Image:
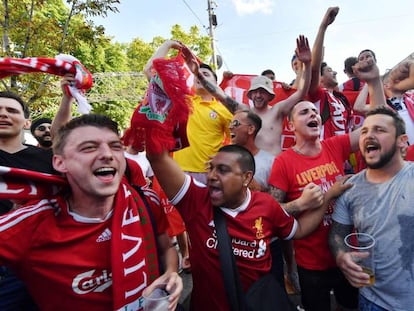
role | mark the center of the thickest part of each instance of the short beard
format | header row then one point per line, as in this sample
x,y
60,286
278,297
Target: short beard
x,y
384,159
45,143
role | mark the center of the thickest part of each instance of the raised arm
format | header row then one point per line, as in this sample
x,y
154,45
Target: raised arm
x,y
368,71
64,113
161,53
317,49
231,104
303,54
360,104
168,173
402,76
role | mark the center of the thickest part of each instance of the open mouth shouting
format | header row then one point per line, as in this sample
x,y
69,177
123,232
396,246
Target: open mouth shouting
x,y
105,174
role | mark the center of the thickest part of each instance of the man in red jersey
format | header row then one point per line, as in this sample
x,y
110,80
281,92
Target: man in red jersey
x,y
253,218
92,244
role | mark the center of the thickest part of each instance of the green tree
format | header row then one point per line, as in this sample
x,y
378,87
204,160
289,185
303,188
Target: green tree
x,y
47,28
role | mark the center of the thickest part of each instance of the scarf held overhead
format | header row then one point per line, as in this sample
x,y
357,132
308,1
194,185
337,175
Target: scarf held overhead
x,y
162,116
60,65
133,248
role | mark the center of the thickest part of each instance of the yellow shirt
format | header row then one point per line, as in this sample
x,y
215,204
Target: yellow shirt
x,y
207,127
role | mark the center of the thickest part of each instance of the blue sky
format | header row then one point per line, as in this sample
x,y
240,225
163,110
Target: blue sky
x,y
253,35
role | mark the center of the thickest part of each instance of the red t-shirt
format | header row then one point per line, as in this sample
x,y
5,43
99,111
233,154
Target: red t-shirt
x,y
66,263
259,218
338,121
291,172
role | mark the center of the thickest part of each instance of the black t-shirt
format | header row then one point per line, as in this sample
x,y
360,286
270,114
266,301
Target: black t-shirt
x,y
30,158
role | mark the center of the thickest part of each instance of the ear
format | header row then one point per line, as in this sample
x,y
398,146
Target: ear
x,y
251,129
59,164
291,127
402,141
247,178
27,124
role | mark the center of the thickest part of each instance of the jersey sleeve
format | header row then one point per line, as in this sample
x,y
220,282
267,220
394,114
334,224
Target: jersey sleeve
x,y
157,210
17,229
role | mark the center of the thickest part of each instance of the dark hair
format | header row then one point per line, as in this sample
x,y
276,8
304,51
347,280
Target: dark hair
x,y
37,122
205,66
348,63
246,159
323,65
368,50
398,121
254,119
268,72
95,120
7,94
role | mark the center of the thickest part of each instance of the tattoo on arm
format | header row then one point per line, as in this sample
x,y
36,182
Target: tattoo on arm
x,y
231,104
336,237
280,196
210,87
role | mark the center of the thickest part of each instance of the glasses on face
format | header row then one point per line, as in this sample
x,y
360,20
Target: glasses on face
x,y
236,123
43,128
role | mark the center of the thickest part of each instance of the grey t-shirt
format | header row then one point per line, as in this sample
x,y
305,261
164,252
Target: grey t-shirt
x,y
264,161
386,211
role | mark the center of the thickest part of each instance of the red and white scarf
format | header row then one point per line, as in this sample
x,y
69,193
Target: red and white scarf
x,y
162,116
60,65
133,247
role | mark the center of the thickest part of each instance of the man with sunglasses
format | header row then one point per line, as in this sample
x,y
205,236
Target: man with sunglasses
x,y
14,119
40,130
261,93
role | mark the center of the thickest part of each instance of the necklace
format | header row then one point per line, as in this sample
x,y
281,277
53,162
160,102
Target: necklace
x,y
297,150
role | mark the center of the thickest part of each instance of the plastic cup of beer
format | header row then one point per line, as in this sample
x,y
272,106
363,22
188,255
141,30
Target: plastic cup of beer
x,y
156,298
363,243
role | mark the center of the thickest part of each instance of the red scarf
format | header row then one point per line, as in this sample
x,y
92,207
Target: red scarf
x,y
133,249
162,116
60,65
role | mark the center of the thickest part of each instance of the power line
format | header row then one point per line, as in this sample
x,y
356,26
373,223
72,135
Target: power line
x,y
196,16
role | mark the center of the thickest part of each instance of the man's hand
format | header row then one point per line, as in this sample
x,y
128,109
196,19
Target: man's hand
x,y
312,197
67,80
401,77
330,16
352,271
339,187
366,70
191,60
303,51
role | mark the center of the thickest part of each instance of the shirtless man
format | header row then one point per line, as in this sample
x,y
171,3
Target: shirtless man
x,y
261,93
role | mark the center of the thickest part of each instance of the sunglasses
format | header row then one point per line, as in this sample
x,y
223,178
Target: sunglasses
x,y
43,128
236,123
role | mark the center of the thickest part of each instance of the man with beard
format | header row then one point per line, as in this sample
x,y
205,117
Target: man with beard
x,y
312,160
261,93
380,203
40,130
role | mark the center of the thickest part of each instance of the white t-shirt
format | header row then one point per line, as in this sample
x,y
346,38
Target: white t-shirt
x,y
142,161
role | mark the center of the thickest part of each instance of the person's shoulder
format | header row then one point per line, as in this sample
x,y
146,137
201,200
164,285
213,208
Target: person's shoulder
x,y
37,150
409,166
33,210
264,154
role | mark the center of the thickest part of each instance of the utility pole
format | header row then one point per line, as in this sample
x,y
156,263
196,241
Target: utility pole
x,y
212,18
